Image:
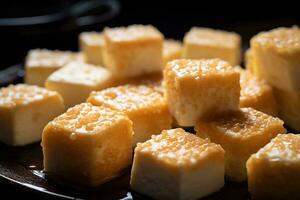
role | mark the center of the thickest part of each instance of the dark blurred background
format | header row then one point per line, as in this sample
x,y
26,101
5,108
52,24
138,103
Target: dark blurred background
x,y
55,24
27,24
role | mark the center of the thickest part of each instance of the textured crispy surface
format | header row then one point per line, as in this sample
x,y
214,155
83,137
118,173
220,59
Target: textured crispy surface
x,y
132,33
87,119
283,40
22,94
199,68
81,73
284,147
179,148
211,37
51,58
127,97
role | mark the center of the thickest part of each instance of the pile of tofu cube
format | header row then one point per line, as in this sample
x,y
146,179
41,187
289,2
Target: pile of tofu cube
x,y
125,99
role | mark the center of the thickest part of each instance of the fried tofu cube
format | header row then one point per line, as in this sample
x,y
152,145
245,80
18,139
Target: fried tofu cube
x,y
133,50
92,45
274,171
201,43
77,80
240,134
172,50
24,111
289,102
177,165
277,57
40,63
88,145
145,107
256,93
200,88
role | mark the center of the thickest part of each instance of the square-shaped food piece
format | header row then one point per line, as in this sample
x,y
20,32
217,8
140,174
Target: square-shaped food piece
x,y
76,81
24,112
201,43
177,165
277,57
289,107
240,134
92,44
172,50
87,145
200,88
256,93
40,63
133,50
144,105
274,171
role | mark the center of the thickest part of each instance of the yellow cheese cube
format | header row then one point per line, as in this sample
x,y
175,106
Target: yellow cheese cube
x,y
87,145
24,111
76,81
240,134
201,43
133,50
177,165
289,107
144,106
92,44
40,63
277,57
200,88
172,50
274,171
256,93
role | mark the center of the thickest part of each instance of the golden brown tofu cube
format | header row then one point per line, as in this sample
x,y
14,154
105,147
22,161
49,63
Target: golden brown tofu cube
x,y
274,171
87,145
289,107
24,112
172,50
240,134
133,50
40,63
92,45
144,106
202,43
256,93
75,81
177,165
197,89
277,57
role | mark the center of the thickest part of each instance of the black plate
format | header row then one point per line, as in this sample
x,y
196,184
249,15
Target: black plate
x,y
23,166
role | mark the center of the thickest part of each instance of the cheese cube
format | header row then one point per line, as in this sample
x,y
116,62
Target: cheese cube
x,y
200,88
201,43
92,44
256,93
77,80
24,111
240,134
172,50
133,50
289,107
277,57
40,63
145,107
177,165
87,145
274,171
